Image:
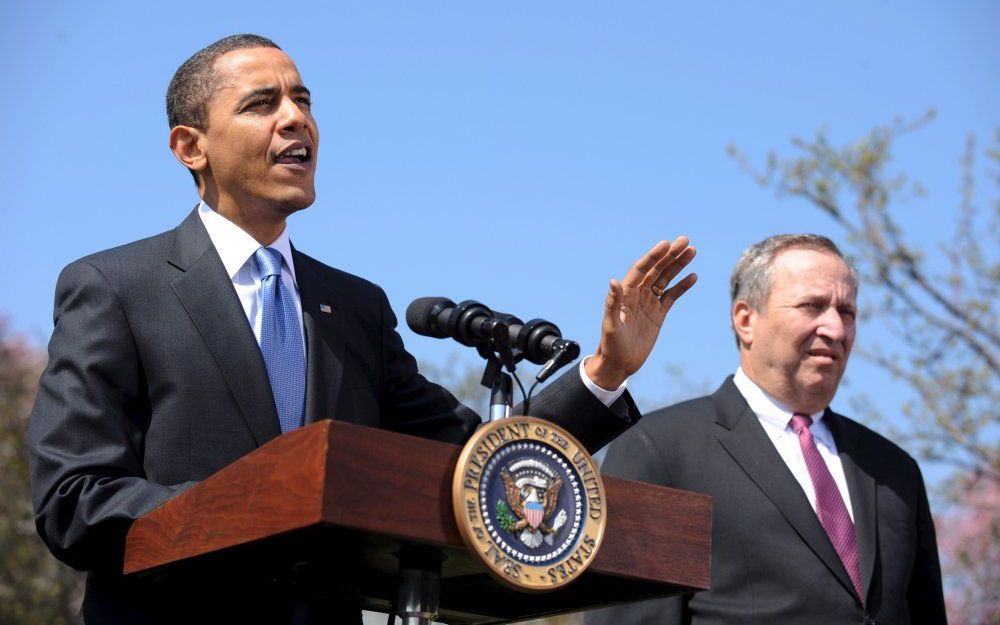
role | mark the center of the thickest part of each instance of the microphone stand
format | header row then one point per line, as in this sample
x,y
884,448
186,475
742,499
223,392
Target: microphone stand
x,y
501,397
499,354
501,387
419,585
420,567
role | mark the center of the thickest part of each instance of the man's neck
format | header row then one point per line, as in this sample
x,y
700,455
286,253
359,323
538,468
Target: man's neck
x,y
263,233
264,228
788,397
765,405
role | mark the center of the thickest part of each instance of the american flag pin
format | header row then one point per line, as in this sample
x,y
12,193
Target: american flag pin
x,y
326,308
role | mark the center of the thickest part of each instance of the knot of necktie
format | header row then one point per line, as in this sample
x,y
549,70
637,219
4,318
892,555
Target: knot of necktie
x,y
800,421
269,261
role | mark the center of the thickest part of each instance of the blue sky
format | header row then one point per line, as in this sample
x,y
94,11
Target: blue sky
x,y
516,153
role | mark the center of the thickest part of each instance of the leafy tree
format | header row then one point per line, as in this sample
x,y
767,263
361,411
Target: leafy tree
x,y
968,535
938,311
34,587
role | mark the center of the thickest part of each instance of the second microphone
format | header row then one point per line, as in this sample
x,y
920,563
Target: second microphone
x,y
471,323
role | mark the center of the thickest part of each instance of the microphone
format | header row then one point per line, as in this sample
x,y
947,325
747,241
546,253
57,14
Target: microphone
x,y
473,324
470,323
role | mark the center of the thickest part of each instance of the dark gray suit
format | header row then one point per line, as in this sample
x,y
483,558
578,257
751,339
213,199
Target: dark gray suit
x,y
155,381
772,562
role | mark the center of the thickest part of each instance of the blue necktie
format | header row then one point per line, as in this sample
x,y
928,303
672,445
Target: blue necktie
x,y
281,341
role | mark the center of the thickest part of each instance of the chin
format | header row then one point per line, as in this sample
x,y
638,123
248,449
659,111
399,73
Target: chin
x,y
821,390
295,202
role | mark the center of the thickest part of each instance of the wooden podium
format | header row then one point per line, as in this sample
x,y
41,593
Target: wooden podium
x,y
336,500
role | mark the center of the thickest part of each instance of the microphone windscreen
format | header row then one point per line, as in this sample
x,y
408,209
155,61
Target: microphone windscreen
x,y
421,313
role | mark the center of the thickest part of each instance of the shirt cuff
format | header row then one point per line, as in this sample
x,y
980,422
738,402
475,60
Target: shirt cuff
x,y
605,396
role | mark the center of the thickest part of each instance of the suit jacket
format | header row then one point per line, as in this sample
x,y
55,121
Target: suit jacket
x,y
772,562
155,381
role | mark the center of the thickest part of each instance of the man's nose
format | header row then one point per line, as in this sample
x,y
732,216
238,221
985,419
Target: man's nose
x,y
292,117
831,325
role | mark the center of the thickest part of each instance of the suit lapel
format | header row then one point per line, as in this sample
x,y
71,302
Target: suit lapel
x,y
861,486
745,440
207,294
322,316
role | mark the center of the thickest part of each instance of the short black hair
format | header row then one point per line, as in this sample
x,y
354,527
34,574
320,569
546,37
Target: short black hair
x,y
194,81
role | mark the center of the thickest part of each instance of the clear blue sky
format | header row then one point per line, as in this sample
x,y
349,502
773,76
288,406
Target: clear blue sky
x,y
517,153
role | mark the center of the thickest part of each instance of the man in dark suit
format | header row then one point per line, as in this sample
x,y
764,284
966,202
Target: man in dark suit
x,y
174,356
816,519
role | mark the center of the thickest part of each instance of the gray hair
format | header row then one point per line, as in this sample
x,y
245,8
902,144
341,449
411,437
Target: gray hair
x,y
751,279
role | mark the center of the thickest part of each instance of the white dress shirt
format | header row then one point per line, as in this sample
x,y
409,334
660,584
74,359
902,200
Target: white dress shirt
x,y
236,248
775,418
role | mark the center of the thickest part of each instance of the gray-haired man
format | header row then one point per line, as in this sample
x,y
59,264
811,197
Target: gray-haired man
x,y
816,518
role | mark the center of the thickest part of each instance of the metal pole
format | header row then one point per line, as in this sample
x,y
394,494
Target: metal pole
x,y
501,397
419,584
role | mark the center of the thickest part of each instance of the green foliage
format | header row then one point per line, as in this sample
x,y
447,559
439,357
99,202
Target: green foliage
x,y
505,517
34,587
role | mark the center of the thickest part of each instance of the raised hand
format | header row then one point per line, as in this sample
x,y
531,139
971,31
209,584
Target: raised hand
x,y
635,309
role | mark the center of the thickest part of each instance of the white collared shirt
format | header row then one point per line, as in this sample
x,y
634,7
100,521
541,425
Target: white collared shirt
x,y
236,248
775,418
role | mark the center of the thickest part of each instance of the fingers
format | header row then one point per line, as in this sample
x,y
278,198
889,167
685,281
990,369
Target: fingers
x,y
671,270
661,264
613,301
675,292
659,258
642,266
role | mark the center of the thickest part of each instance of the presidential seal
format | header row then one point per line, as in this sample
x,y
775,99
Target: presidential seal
x,y
529,503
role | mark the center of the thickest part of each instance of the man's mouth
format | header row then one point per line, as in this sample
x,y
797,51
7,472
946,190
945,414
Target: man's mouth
x,y
294,155
823,353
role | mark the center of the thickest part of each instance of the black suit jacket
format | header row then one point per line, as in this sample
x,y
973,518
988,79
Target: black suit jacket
x,y
772,562
155,381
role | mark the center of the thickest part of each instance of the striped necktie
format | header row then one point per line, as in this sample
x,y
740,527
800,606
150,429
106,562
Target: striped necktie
x,y
833,515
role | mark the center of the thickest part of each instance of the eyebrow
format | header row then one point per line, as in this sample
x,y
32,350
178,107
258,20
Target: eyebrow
x,y
268,92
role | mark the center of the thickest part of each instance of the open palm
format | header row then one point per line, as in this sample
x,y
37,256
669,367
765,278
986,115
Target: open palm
x,y
635,309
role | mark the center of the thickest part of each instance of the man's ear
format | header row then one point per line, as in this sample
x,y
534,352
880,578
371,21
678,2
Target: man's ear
x,y
743,317
188,145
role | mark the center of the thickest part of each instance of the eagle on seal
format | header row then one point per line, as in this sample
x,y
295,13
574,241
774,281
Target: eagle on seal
x,y
531,503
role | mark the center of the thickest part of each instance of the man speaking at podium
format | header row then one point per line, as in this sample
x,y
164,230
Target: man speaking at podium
x,y
174,356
